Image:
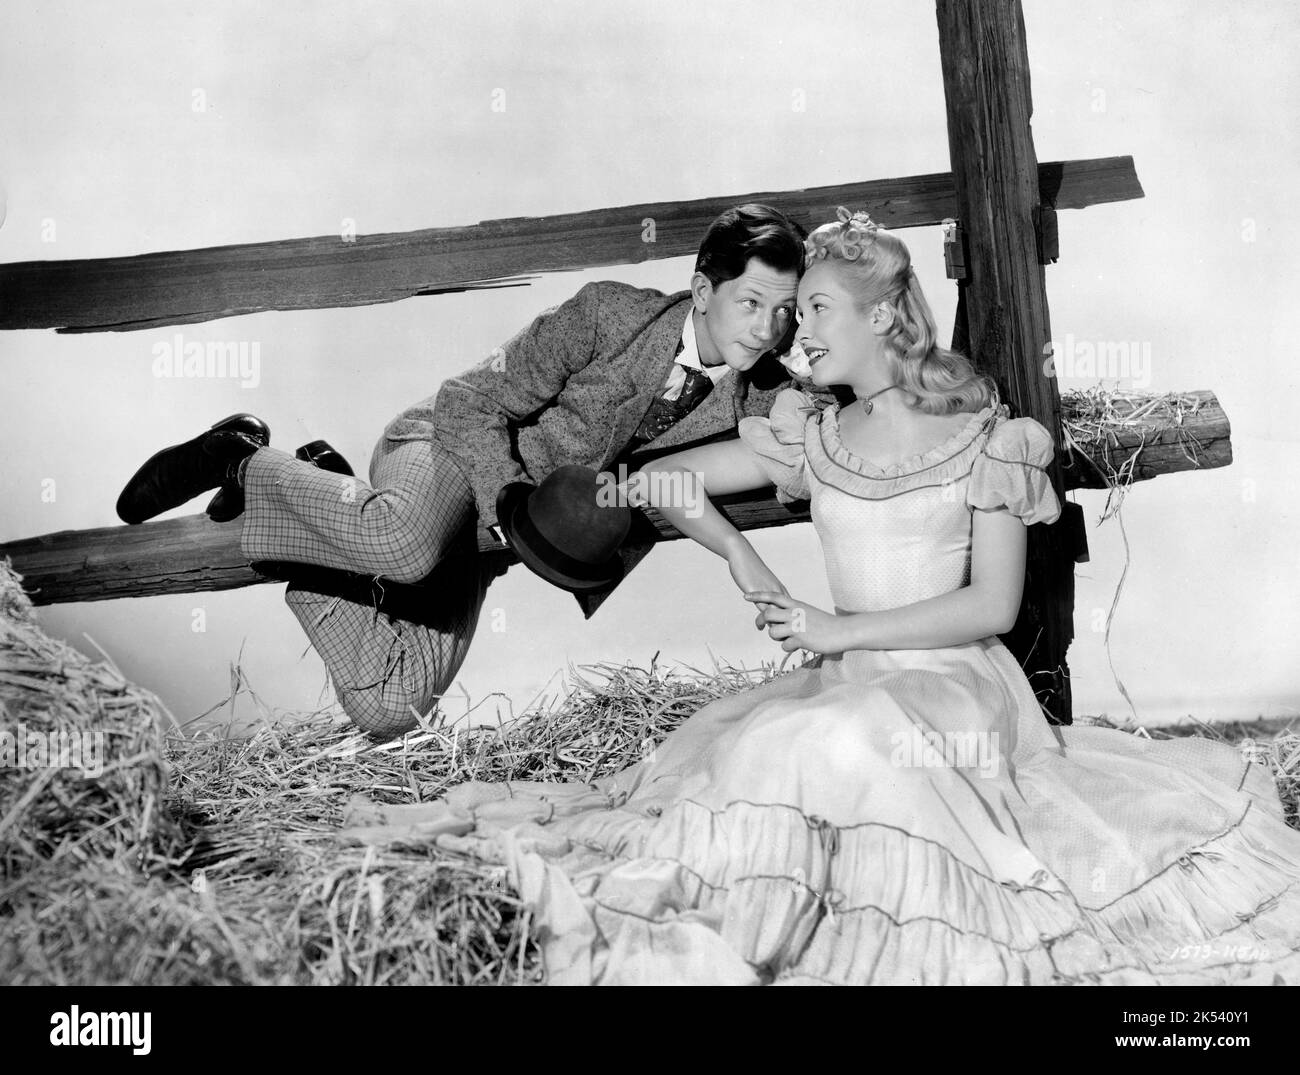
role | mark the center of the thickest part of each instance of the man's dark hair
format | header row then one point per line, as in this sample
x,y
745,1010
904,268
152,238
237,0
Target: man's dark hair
x,y
750,231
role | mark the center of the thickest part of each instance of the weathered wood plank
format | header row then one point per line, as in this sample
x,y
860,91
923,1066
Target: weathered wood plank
x,y
986,88
194,554
187,286
1202,441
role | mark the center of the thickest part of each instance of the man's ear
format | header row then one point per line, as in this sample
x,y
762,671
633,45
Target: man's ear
x,y
701,291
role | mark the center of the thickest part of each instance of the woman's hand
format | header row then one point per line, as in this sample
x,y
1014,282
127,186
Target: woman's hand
x,y
797,625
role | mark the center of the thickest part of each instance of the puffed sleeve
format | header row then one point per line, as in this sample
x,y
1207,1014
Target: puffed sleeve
x,y
778,442
1011,473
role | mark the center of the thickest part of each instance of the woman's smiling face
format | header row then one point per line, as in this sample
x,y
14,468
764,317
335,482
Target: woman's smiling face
x,y
833,332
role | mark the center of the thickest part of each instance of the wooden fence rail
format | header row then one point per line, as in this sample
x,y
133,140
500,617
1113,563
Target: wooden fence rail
x,y
193,554
148,291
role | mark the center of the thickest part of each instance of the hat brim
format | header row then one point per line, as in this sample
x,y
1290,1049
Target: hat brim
x,y
510,500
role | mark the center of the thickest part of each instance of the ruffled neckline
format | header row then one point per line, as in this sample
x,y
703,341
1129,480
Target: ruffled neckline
x,y
942,452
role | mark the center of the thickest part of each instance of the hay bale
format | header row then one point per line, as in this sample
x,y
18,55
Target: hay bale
x,y
82,776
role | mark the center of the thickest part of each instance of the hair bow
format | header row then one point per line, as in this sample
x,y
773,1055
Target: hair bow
x,y
859,220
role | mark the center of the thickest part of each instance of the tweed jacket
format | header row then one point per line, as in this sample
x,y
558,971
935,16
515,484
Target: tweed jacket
x,y
572,388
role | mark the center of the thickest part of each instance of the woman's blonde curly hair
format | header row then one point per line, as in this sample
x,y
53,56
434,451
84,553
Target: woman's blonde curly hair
x,y
878,266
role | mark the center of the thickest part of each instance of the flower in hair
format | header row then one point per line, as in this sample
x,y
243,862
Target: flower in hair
x,y
796,361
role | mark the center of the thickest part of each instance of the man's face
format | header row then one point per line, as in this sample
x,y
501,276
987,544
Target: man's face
x,y
739,320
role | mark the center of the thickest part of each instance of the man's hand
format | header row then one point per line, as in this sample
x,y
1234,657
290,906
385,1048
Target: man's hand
x,y
797,624
749,570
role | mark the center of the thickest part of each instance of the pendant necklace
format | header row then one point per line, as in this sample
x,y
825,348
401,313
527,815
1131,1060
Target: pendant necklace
x,y
867,404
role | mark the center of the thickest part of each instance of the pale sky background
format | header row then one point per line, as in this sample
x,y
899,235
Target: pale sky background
x,y
381,112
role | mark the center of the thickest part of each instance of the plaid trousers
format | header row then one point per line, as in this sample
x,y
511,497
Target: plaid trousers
x,y
385,578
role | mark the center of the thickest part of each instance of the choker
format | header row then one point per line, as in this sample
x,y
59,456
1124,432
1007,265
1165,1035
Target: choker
x,y
867,404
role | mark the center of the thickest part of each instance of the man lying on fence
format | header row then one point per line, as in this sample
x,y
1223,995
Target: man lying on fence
x,y
385,577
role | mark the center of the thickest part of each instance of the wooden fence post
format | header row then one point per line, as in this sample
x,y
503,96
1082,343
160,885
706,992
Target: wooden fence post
x,y
986,85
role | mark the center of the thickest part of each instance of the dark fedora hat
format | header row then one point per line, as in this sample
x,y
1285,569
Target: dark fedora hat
x,y
562,531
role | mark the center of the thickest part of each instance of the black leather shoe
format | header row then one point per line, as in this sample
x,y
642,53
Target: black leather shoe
x,y
229,502
325,457
183,471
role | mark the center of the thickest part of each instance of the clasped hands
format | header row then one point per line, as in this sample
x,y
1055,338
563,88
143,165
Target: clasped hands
x,y
797,624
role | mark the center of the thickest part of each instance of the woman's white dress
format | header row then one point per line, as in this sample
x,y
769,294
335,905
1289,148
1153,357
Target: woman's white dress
x,y
896,816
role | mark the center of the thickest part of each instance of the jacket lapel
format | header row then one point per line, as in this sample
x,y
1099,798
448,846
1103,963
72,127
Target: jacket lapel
x,y
647,372
717,412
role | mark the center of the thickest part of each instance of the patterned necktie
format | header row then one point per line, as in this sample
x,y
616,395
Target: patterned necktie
x,y
666,413
698,385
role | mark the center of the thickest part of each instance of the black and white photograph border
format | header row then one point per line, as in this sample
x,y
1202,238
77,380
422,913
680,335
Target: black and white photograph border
x,y
415,417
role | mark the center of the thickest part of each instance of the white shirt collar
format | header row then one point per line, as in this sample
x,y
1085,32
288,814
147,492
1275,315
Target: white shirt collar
x,y
690,356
